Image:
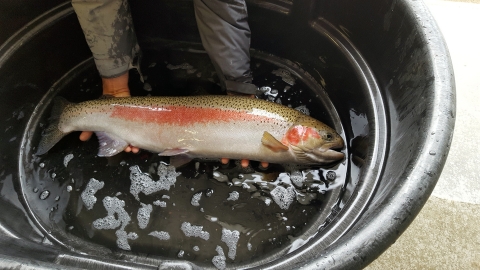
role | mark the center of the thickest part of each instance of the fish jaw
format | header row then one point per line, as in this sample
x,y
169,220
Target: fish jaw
x,y
313,145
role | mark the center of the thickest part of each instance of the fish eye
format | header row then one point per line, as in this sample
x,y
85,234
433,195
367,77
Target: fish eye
x,y
328,136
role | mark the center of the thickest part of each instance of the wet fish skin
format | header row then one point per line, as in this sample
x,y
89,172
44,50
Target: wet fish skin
x,y
198,126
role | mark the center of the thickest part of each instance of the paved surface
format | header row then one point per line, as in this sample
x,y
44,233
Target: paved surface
x,y
446,233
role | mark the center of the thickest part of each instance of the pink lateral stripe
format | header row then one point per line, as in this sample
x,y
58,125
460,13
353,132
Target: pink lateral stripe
x,y
182,115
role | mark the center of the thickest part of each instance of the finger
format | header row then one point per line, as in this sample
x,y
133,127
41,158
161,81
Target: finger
x,y
264,164
224,160
135,150
244,163
128,149
85,135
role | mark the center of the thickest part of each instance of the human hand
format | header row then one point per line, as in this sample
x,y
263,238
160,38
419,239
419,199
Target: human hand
x,y
117,87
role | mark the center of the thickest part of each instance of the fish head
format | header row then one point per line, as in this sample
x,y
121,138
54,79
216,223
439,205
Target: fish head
x,y
314,142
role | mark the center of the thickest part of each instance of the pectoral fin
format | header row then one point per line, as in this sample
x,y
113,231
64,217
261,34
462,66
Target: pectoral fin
x,y
273,144
109,145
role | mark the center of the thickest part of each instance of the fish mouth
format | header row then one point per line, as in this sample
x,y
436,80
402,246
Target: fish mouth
x,y
331,151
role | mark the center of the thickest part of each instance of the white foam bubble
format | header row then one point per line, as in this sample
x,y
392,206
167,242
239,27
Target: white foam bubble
x,y
196,199
143,183
297,178
283,196
160,235
196,248
220,177
113,205
88,195
180,254
69,188
160,203
122,239
107,223
233,196
165,197
231,239
212,219
67,159
143,215
219,260
196,231
44,194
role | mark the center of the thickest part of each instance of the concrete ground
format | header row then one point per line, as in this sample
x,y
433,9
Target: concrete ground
x,y
446,233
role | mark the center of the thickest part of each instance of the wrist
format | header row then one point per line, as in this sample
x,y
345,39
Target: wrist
x,y
117,87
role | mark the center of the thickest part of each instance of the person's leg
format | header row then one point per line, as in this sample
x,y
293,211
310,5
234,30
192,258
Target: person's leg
x,y
225,34
109,32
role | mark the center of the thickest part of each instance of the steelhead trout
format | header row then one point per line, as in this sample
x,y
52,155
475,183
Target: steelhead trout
x,y
198,127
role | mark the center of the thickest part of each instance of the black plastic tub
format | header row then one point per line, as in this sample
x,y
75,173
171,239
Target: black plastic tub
x,y
378,72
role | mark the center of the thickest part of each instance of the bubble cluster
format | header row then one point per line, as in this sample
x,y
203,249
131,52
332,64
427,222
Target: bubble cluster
x,y
67,159
196,199
160,203
143,215
231,239
196,231
219,260
283,196
160,235
233,196
122,239
302,185
143,183
297,178
113,205
107,223
88,195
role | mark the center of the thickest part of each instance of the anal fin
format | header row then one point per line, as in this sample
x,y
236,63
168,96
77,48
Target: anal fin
x,y
173,152
179,160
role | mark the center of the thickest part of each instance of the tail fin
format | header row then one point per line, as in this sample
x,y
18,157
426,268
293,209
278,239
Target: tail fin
x,y
52,134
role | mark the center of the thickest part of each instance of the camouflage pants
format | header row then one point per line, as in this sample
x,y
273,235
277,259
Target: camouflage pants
x,y
223,27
